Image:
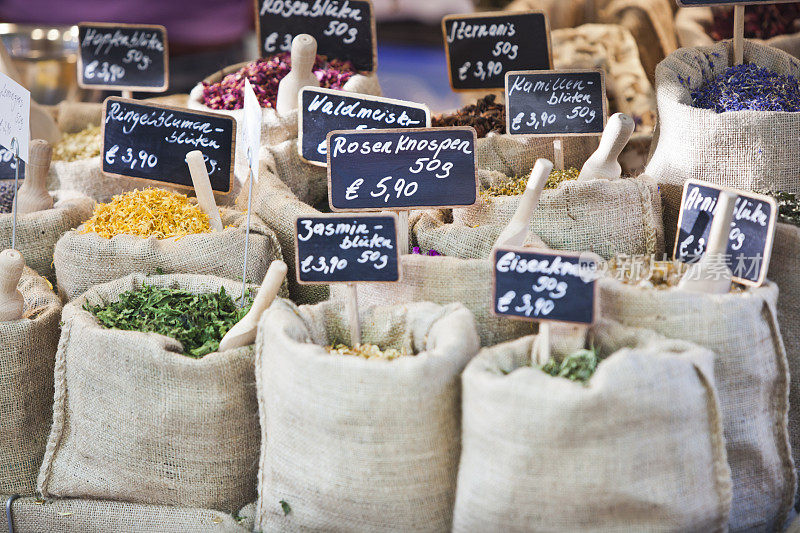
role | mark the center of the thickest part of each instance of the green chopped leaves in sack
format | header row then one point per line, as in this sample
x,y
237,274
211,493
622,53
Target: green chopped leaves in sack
x,y
788,206
516,185
198,321
578,366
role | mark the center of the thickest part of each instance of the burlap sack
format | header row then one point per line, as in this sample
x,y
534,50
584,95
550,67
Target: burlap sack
x,y
444,280
38,232
749,150
85,260
308,182
517,154
275,203
751,377
639,448
135,420
27,350
606,217
691,25
35,515
355,444
784,269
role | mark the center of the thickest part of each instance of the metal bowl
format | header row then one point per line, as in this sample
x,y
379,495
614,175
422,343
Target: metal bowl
x,y
46,58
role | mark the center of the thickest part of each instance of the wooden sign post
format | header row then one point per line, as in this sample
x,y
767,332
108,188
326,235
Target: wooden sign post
x,y
749,239
343,30
150,142
325,110
123,57
482,47
545,286
556,103
401,169
347,248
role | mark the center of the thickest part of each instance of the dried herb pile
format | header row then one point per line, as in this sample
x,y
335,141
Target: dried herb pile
x,y
578,366
265,74
367,351
788,207
81,145
749,87
198,321
647,274
485,116
760,21
148,213
516,185
6,196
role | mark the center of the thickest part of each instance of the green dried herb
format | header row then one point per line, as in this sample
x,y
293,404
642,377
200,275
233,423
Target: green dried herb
x,y
198,321
578,366
286,508
788,206
516,185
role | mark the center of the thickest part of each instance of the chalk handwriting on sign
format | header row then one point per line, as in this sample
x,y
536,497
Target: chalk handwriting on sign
x,y
325,110
347,248
150,141
567,102
15,115
8,165
374,170
751,234
343,29
482,47
541,285
123,56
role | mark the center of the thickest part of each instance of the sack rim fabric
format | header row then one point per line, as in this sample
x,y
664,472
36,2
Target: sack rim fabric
x,y
168,347
484,372
779,400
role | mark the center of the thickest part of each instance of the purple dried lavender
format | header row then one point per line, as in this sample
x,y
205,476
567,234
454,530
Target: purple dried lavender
x,y
417,251
265,75
749,87
6,196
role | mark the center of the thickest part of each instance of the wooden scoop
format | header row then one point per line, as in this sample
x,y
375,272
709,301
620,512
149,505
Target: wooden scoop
x,y
43,126
244,332
711,274
304,53
11,302
517,230
202,188
32,195
603,163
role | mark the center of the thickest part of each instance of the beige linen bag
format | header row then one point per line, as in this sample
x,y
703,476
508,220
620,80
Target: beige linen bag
x,y
751,377
136,420
83,260
748,150
360,445
27,351
638,448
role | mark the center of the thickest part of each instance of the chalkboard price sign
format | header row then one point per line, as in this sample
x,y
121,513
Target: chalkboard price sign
x,y
8,166
555,102
150,141
123,57
376,170
347,248
482,47
344,29
325,110
751,235
532,284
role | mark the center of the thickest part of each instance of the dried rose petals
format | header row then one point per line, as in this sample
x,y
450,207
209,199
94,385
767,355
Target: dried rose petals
x,y
265,75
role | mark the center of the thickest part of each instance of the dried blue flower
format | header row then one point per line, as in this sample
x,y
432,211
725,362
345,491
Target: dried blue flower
x,y
748,87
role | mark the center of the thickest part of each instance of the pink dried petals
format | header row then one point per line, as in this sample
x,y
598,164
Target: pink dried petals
x,y
265,75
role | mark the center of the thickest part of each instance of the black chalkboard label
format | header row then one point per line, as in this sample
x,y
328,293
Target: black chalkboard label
x,y
123,57
541,285
150,141
555,102
374,170
482,47
751,236
8,166
347,248
326,110
344,29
